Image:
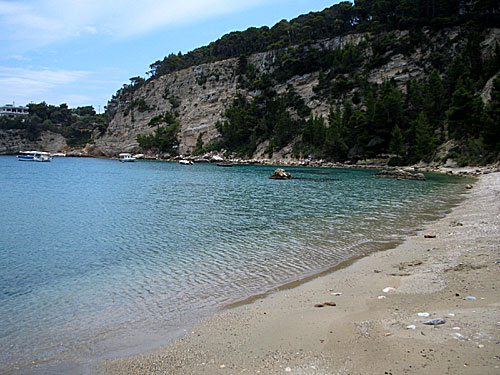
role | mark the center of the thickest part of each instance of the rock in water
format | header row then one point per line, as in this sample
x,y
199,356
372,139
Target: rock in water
x,y
281,174
400,175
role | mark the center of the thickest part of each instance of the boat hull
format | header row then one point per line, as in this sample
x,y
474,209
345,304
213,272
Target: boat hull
x,y
24,157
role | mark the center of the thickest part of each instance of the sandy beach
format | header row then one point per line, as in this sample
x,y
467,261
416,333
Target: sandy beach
x,y
448,271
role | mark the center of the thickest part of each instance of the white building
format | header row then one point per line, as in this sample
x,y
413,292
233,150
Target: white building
x,y
11,110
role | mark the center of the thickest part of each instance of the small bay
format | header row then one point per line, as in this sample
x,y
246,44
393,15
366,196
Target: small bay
x,y
100,258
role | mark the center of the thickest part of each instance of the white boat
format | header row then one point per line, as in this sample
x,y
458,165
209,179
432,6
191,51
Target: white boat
x,y
124,157
33,156
185,162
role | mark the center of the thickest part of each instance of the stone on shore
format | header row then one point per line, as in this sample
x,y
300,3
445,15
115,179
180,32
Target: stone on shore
x,y
281,174
400,175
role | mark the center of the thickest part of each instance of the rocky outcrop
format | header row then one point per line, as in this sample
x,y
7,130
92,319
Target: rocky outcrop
x,y
400,174
281,174
14,140
199,95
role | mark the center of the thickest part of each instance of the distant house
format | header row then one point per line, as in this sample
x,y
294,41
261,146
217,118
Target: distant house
x,y
11,110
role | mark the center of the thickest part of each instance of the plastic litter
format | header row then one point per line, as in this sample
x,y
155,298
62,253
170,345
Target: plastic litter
x,y
388,289
470,298
412,326
434,322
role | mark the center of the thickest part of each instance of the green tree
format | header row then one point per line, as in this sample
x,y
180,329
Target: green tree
x,y
396,145
464,114
314,131
491,119
424,140
335,146
434,100
388,113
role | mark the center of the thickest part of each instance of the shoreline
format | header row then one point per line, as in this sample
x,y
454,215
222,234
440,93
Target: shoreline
x,y
375,164
367,331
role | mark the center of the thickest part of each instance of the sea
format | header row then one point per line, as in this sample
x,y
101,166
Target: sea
x,y
101,259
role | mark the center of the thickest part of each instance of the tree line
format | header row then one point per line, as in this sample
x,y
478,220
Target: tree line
x,y
75,124
340,19
367,119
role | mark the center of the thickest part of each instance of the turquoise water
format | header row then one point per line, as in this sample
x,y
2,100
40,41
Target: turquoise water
x,y
100,258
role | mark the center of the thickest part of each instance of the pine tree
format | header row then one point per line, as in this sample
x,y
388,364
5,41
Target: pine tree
x,y
464,114
491,119
425,142
396,145
335,146
435,100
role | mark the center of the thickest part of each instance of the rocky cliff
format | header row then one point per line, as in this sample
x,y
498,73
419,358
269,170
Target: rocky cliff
x,y
13,140
201,94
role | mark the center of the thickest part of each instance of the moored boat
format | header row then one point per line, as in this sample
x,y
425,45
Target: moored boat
x,y
125,157
34,156
185,162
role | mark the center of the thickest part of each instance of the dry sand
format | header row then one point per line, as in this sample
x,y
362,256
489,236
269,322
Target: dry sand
x,y
367,331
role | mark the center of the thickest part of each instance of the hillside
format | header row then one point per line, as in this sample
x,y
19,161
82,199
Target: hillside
x,y
417,80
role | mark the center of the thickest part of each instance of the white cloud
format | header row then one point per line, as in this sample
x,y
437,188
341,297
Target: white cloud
x,y
45,21
24,85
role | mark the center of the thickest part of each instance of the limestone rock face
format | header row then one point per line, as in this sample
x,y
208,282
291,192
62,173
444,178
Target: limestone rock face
x,y
202,94
14,140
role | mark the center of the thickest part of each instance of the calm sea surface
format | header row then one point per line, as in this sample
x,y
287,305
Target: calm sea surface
x,y
100,258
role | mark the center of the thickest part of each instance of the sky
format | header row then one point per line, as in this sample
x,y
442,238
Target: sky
x,y
80,52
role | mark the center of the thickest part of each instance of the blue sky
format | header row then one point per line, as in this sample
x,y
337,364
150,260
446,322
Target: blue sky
x,y
80,52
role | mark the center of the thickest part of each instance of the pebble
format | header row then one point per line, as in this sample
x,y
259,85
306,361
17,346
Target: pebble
x,y
381,297
434,322
325,304
429,235
388,289
411,326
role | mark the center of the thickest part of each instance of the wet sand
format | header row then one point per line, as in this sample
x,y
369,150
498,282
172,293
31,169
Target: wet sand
x,y
374,327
